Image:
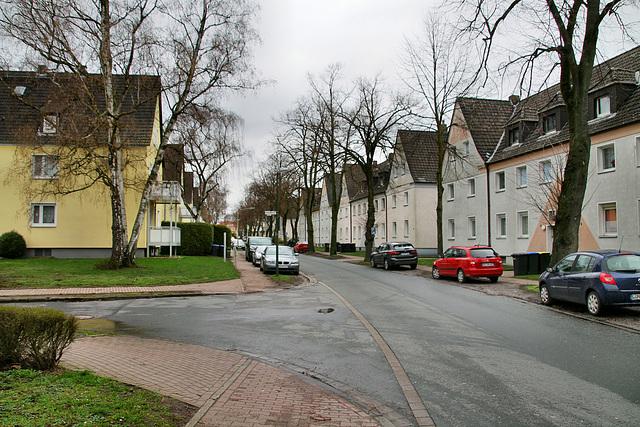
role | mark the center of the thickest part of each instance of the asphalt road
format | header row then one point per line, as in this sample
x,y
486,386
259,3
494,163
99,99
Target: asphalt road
x,y
474,359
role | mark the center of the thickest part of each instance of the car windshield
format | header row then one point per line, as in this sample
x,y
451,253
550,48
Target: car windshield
x,y
282,250
623,263
483,253
403,246
261,240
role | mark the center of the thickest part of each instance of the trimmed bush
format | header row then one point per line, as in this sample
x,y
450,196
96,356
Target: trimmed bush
x,y
12,245
218,235
196,238
34,337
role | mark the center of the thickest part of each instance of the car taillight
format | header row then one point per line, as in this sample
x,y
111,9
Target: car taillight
x,y
414,252
607,279
394,253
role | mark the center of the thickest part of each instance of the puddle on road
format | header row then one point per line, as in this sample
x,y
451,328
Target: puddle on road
x,y
106,326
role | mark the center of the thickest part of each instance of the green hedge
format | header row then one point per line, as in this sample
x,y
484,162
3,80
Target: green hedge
x,y
12,245
218,235
34,337
196,238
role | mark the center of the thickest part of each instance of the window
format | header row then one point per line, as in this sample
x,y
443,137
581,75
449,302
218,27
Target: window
x,y
549,123
406,198
602,106
450,192
500,181
452,153
471,187
638,151
44,166
404,168
382,204
465,148
514,137
546,172
452,229
43,214
406,228
523,224
340,233
375,205
394,229
501,223
608,219
606,158
584,263
359,209
551,215
472,227
393,201
521,176
50,124
383,231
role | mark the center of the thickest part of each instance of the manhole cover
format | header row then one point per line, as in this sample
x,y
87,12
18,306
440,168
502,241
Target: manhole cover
x,y
325,310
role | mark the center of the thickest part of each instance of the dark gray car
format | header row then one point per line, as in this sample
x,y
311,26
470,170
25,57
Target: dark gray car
x,y
393,254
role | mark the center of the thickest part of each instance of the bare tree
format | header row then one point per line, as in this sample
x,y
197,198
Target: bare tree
x,y
201,49
373,117
438,70
567,34
211,141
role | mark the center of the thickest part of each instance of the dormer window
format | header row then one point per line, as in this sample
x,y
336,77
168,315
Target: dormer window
x,y
549,123
513,137
602,106
50,124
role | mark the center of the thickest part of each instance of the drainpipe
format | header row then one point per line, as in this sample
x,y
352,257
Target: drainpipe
x,y
488,207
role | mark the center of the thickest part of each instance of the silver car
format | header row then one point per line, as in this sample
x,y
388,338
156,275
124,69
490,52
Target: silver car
x,y
287,260
257,254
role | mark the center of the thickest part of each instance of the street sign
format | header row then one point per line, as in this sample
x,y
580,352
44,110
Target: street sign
x,y
270,213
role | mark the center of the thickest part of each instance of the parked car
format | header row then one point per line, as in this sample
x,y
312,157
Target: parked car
x,y
252,243
287,260
257,254
301,247
393,254
463,262
240,244
594,278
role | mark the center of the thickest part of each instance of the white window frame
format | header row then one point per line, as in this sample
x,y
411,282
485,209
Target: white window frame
x,y
602,220
601,108
471,187
406,228
44,166
40,215
375,205
521,177
451,192
638,151
383,231
451,227
394,201
544,178
394,229
602,167
521,215
504,181
406,198
383,204
500,232
472,226
466,148
547,120
49,124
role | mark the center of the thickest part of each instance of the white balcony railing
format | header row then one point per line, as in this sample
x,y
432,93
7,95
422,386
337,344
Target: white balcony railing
x,y
164,236
166,191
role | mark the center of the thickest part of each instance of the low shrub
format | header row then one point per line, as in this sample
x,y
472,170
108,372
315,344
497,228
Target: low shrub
x,y
12,245
195,238
34,337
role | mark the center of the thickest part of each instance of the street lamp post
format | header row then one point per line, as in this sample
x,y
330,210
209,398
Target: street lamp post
x,y
278,218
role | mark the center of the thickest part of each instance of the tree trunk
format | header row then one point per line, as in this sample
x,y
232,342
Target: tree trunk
x,y
309,214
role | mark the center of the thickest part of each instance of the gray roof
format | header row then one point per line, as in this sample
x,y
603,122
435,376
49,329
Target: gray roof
x,y
485,118
26,97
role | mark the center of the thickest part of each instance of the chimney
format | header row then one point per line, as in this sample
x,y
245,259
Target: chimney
x,y
375,163
42,70
514,100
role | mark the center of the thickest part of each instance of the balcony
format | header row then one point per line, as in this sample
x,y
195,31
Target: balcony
x,y
165,192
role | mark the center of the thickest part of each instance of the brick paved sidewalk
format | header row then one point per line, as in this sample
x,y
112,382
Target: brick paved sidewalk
x,y
229,389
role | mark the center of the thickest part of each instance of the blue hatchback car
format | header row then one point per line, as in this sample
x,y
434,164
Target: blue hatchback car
x,y
595,278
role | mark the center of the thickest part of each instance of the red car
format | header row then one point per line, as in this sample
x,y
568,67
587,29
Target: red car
x,y
301,247
468,261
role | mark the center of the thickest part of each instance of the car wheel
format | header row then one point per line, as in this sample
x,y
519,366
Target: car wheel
x,y
386,265
414,266
373,262
545,298
435,273
493,279
594,305
461,277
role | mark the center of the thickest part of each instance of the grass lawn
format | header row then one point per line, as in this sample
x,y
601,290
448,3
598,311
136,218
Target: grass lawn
x,y
61,397
82,273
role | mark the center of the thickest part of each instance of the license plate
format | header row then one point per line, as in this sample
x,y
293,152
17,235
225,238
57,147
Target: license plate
x,y
635,297
487,264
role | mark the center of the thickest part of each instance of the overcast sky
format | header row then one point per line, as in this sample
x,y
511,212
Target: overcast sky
x,y
306,36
